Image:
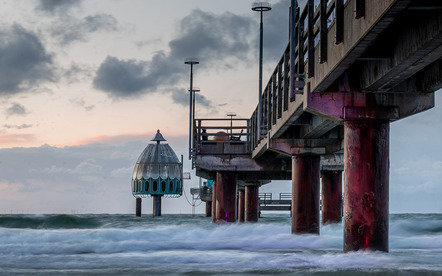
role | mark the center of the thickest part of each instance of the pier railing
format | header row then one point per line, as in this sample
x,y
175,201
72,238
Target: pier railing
x,y
297,62
221,136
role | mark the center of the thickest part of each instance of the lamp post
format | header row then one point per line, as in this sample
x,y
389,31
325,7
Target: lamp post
x,y
261,7
191,61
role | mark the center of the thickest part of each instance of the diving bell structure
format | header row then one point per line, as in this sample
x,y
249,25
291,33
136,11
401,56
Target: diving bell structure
x,y
157,173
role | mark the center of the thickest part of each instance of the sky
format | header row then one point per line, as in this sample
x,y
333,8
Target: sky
x,y
85,84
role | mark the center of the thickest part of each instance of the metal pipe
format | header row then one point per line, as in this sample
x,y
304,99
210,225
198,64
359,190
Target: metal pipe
x,y
191,111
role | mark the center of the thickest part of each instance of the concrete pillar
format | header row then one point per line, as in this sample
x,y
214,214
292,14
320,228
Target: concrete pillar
x,y
214,201
138,207
225,197
366,184
208,209
241,205
156,205
305,194
252,203
331,196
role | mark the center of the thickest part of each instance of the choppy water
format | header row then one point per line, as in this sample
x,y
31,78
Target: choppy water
x,y
182,244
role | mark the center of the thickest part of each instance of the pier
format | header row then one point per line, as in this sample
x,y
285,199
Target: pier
x,y
350,69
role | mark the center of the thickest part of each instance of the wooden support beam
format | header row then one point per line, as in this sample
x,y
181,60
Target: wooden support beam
x,y
280,91
339,36
311,38
323,32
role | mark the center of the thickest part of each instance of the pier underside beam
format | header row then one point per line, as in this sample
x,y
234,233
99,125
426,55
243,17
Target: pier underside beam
x,y
252,203
305,194
156,205
366,188
331,196
226,196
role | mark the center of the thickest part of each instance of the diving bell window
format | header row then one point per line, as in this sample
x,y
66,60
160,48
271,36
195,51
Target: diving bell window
x,y
163,186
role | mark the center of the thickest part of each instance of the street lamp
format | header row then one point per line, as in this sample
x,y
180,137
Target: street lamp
x,y
191,61
260,7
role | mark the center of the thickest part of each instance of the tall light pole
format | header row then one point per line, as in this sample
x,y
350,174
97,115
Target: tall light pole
x,y
191,61
261,7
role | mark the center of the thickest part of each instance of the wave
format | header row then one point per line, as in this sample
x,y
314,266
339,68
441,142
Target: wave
x,y
182,244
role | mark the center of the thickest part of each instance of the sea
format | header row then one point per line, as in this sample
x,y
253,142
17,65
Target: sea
x,y
108,244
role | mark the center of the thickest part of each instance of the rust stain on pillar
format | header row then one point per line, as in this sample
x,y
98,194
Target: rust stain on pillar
x,y
252,203
331,196
241,205
305,194
366,188
214,202
138,207
225,197
156,205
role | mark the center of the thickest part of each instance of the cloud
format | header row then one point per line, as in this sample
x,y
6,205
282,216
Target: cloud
x,y
79,30
56,6
81,103
16,109
182,97
217,40
24,61
22,126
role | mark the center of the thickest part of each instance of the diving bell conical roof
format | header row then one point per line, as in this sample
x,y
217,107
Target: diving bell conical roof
x,y
158,137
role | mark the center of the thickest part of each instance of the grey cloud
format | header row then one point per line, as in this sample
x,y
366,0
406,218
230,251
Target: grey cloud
x,y
16,109
79,30
24,61
22,126
122,78
182,97
81,103
56,6
214,39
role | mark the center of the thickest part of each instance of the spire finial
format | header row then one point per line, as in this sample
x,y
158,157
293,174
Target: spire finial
x,y
158,137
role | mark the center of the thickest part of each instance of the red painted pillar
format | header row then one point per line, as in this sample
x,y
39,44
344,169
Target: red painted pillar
x,y
366,185
208,209
214,202
305,194
225,197
156,205
331,196
241,205
252,203
138,207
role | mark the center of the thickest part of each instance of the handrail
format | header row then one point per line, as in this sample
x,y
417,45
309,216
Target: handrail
x,y
310,30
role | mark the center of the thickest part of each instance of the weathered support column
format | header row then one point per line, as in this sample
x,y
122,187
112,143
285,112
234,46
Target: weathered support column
x,y
331,196
252,203
241,205
214,202
138,207
208,209
305,194
225,197
366,185
156,205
